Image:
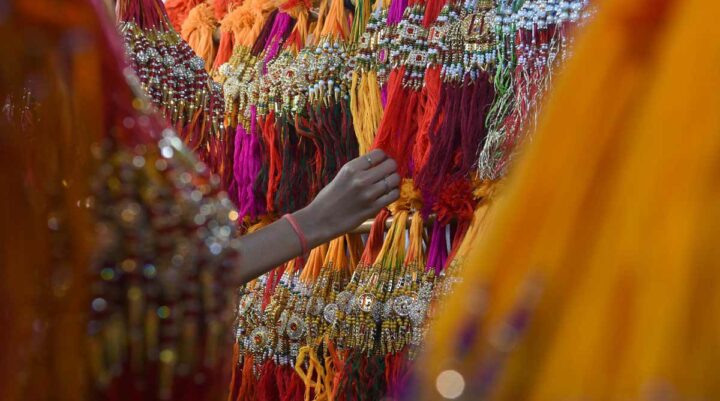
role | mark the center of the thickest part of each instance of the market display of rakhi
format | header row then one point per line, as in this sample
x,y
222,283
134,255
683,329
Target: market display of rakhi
x,y
449,89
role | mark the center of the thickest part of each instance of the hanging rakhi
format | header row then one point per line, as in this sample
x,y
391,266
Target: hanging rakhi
x,y
243,81
343,255
284,320
542,42
175,79
269,121
273,135
457,125
371,53
239,78
250,28
408,55
456,128
248,317
312,135
450,276
257,340
342,313
404,308
506,61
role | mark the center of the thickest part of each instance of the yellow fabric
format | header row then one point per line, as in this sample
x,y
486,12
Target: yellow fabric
x,y
612,214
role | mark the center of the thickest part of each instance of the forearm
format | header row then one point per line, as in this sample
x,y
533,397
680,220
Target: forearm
x,y
360,190
278,243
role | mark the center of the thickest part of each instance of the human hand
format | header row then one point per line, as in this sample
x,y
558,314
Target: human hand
x,y
360,190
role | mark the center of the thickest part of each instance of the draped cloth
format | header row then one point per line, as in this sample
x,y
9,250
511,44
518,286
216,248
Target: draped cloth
x,y
598,275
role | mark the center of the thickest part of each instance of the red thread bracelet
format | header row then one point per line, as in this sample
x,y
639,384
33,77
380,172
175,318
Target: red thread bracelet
x,y
299,232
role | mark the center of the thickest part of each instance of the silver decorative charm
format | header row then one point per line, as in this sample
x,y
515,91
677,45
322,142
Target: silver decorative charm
x,y
295,327
330,313
403,305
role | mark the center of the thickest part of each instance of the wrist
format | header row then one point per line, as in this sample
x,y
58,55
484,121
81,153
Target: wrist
x,y
311,222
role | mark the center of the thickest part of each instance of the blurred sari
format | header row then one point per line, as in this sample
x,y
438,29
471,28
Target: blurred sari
x,y
598,277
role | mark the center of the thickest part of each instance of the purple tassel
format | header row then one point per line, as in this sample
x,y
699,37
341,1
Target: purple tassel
x,y
277,35
438,253
246,168
234,189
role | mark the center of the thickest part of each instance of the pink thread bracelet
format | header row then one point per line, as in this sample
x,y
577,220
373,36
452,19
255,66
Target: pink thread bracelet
x,y
298,231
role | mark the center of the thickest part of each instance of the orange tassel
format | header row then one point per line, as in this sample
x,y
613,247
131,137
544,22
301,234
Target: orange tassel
x,y
177,11
336,23
236,371
248,384
198,30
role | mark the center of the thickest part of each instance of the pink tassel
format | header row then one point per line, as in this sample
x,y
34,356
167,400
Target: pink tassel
x,y
395,14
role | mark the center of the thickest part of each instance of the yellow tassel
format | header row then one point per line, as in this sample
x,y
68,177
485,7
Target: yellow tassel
x,y
355,111
365,107
314,368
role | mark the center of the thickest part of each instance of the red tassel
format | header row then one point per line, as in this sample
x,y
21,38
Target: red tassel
x,y
460,231
375,239
290,386
267,386
296,389
225,49
273,279
304,129
473,129
149,14
397,129
275,159
431,93
432,10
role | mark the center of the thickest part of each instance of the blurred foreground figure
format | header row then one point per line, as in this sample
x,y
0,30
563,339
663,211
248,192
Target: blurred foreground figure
x,y
119,255
116,247
598,277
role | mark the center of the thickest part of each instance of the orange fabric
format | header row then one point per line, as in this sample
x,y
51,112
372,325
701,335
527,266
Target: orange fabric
x,y
44,168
